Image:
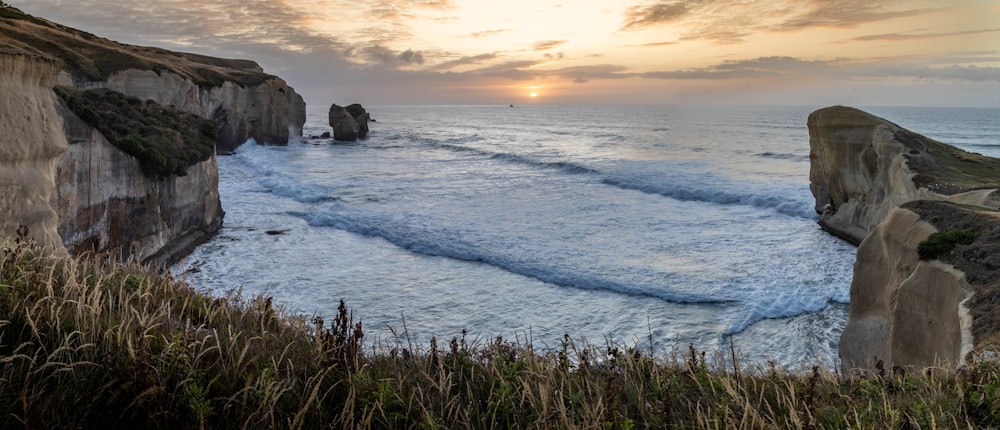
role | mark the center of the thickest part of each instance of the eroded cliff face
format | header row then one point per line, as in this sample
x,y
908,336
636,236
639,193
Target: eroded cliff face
x,y
890,189
904,311
862,166
105,202
31,141
87,191
270,112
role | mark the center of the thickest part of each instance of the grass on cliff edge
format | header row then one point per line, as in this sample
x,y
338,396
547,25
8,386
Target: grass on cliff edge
x,y
87,342
91,58
165,140
947,169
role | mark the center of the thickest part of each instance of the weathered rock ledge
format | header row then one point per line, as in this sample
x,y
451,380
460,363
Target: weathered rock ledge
x,y
890,189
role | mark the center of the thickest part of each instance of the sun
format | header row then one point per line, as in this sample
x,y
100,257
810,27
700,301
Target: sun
x,y
533,95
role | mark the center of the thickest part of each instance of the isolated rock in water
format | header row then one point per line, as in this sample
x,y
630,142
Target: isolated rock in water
x,y
350,122
862,166
361,116
345,127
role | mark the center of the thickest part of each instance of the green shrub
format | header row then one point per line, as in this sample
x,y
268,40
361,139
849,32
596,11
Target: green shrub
x,y
944,241
165,140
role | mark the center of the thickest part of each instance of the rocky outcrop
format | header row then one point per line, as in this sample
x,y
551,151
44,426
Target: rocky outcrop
x,y
862,166
105,202
349,123
85,194
246,102
892,190
361,116
270,112
904,311
917,313
31,141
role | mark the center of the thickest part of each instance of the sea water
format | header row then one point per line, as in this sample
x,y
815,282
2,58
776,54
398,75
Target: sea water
x,y
650,226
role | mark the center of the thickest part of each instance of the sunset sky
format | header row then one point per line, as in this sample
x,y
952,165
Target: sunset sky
x,y
804,52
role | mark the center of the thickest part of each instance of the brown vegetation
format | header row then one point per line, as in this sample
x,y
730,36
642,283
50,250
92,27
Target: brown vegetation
x,y
92,343
91,58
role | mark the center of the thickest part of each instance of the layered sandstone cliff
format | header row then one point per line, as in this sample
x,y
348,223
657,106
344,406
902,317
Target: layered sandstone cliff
x,y
31,142
85,194
904,311
269,112
106,203
862,166
893,190
244,101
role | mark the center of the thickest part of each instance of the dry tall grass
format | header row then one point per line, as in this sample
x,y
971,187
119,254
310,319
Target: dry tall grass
x,y
91,343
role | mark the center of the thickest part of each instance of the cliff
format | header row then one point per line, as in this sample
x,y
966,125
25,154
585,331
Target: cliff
x,y
73,188
269,112
918,298
106,202
862,166
913,312
30,146
245,102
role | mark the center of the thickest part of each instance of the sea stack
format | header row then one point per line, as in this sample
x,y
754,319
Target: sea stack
x,y
920,298
349,123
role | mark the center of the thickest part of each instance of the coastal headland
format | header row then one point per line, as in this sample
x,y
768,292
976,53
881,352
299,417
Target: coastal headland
x,y
131,177
920,297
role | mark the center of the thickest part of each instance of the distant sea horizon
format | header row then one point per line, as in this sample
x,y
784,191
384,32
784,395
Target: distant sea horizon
x,y
684,225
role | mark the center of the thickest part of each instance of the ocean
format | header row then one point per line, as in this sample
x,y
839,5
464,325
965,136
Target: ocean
x,y
649,226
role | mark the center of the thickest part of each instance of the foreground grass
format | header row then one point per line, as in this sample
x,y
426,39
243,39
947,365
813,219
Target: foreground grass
x,y
89,343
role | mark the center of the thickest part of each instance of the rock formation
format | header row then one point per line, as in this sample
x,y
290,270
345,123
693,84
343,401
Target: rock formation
x,y
349,123
84,193
904,311
245,102
361,117
891,190
862,166
270,112
31,142
106,203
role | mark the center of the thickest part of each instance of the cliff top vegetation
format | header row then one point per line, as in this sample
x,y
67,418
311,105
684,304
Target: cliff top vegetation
x,y
91,58
946,169
165,140
939,167
90,343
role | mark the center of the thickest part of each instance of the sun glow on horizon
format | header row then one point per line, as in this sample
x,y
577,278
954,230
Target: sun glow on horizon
x,y
533,95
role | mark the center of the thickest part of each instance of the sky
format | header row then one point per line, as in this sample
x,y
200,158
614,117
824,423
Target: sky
x,y
376,52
